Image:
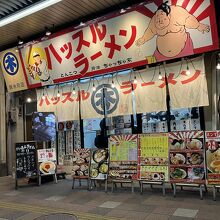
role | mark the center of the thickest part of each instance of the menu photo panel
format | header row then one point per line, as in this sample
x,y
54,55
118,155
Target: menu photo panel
x,y
98,169
123,157
213,156
187,158
153,157
80,161
47,161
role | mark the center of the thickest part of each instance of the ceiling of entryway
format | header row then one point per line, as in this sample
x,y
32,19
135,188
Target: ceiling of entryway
x,y
56,17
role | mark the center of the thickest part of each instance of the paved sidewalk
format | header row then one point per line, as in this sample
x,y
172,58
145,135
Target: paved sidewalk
x,y
33,202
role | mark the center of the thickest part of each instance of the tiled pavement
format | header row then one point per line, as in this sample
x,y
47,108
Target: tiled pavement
x,y
31,202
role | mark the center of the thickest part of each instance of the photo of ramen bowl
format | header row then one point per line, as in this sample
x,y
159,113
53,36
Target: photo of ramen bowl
x,y
47,167
194,144
213,161
94,173
215,165
195,158
196,173
100,155
114,173
177,145
103,168
178,173
178,159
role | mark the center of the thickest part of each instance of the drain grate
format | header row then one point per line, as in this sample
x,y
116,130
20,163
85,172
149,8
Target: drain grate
x,y
59,216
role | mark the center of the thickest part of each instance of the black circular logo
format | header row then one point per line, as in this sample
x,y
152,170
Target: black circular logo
x,y
107,99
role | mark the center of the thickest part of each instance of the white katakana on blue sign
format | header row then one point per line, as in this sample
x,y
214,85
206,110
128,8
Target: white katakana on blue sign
x,y
10,63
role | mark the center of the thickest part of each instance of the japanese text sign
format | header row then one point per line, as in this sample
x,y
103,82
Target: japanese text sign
x,y
150,93
47,161
213,156
26,163
121,41
153,157
123,156
187,89
65,107
12,70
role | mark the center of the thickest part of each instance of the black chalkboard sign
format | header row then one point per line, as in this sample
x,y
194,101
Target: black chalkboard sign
x,y
26,161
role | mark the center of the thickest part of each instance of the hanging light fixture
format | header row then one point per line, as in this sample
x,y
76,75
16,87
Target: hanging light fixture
x,y
218,62
28,100
58,93
43,97
74,91
160,76
135,80
113,84
93,86
187,70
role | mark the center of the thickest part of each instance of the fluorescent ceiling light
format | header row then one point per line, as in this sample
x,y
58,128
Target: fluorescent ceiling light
x,y
27,11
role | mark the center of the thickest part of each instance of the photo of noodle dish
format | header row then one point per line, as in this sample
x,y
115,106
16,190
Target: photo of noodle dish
x,y
213,161
195,158
100,155
114,173
196,173
103,168
94,173
80,162
178,159
178,173
194,144
47,167
177,144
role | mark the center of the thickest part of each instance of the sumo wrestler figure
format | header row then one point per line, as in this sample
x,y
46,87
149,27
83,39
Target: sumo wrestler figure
x,y
169,24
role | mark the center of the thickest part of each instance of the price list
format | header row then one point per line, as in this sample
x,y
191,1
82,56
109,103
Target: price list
x,y
26,164
153,157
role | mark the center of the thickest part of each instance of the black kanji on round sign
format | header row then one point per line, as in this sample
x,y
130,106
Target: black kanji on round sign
x,y
110,95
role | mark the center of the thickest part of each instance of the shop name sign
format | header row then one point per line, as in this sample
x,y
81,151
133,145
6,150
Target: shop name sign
x,y
149,91
152,31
